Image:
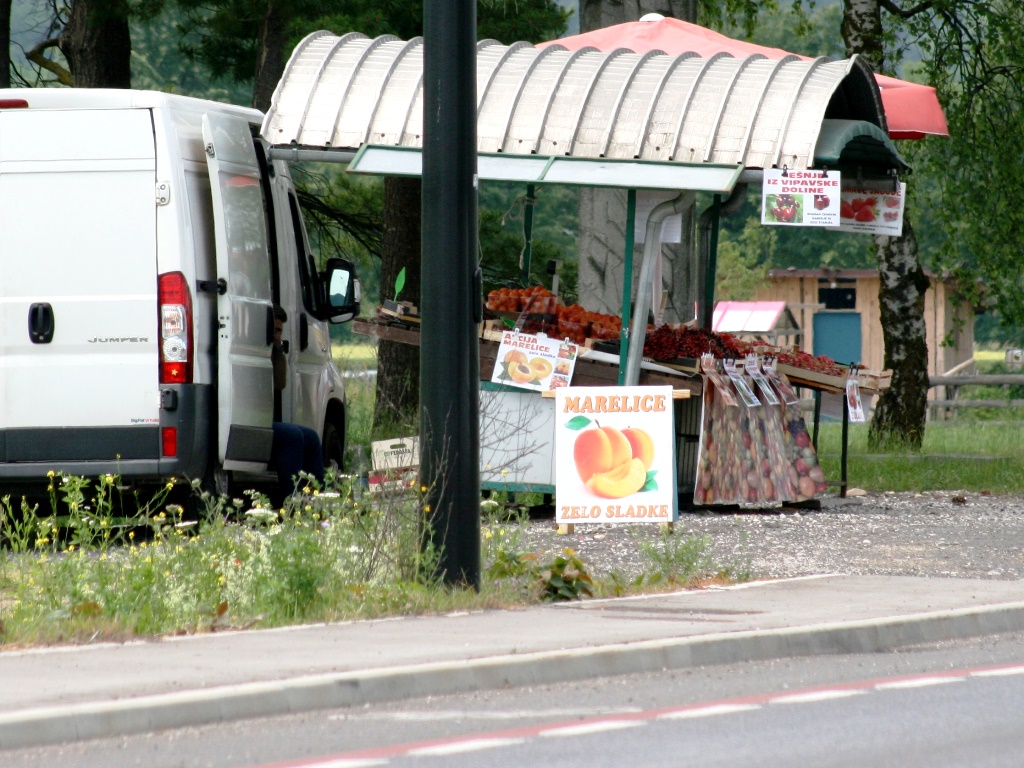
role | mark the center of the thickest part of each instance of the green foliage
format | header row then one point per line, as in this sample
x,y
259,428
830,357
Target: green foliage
x,y
158,64
975,60
564,578
741,265
990,329
676,560
224,34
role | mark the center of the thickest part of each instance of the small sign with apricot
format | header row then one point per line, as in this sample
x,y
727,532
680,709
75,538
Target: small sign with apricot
x,y
614,455
532,361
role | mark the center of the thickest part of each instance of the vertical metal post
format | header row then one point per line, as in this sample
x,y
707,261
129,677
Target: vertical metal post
x,y
450,292
526,258
707,308
627,283
843,456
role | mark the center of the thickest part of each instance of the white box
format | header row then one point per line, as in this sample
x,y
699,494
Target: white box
x,y
395,464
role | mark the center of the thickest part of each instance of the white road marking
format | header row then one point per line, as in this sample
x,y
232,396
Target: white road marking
x,y
588,728
813,696
998,672
356,763
917,682
460,714
458,747
714,709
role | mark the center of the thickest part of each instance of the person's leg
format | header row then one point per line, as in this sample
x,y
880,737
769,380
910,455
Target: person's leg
x,y
287,455
312,453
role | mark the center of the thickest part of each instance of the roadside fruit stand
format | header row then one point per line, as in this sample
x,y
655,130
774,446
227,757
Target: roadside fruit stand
x,y
740,436
683,124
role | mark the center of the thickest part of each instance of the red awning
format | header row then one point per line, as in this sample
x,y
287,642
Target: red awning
x,y
912,111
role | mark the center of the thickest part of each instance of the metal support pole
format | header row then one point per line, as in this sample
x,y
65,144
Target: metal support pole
x,y
627,283
843,454
450,292
526,258
707,308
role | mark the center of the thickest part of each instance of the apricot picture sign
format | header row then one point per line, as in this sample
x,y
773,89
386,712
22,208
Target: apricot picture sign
x,y
533,361
614,455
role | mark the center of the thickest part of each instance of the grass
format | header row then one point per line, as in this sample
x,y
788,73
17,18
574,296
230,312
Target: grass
x,y
961,455
359,357
81,570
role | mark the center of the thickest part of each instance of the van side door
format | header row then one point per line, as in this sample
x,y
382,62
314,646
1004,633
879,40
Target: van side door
x,y
245,389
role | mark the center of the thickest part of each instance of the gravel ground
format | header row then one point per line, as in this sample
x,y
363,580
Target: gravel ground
x,y
941,534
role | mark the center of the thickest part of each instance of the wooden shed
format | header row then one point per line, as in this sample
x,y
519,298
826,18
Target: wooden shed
x,y
837,309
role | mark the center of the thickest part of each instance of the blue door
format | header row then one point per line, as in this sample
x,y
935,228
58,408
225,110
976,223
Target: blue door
x,y
837,334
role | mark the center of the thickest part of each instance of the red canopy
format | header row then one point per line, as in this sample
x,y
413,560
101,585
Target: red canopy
x,y
912,111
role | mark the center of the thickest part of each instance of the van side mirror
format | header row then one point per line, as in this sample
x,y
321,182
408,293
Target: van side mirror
x,y
343,293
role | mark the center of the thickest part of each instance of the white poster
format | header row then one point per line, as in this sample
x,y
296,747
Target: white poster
x,y
615,455
534,362
876,210
800,198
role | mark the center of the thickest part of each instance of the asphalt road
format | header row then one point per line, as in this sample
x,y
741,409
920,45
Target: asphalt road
x,y
939,705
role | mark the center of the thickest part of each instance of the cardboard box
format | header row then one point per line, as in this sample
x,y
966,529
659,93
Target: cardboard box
x,y
395,464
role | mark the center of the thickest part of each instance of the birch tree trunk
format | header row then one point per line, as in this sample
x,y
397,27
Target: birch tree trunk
x,y
899,419
900,412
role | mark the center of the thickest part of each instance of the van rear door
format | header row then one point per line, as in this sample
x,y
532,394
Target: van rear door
x,y
78,324
245,388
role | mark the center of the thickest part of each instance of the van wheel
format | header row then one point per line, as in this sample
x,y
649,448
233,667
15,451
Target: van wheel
x,y
333,447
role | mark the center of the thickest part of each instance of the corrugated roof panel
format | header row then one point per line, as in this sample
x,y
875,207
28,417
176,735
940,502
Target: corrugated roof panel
x,y
599,108
396,95
497,108
344,92
535,96
563,106
635,108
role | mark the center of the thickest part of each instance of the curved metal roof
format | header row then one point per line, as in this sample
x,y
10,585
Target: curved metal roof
x,y
350,91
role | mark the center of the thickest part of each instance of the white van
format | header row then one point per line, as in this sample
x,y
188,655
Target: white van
x,y
144,239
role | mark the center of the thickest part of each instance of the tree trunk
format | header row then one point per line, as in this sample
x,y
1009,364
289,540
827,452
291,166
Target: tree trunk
x,y
270,59
900,413
97,44
862,31
5,35
899,420
398,365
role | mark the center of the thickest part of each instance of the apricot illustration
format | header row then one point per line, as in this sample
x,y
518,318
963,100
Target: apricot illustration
x,y
515,356
541,367
600,450
624,480
641,444
520,372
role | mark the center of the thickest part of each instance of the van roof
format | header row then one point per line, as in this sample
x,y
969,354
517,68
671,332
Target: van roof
x,y
119,98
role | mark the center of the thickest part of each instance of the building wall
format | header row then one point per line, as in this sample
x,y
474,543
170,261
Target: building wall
x,y
943,318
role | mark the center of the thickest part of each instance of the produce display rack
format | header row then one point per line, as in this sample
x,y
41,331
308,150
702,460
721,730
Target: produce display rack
x,y
597,366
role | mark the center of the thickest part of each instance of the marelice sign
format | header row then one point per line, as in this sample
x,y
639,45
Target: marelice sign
x,y
614,455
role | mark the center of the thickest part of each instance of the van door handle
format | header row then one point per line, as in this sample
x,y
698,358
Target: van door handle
x,y
40,323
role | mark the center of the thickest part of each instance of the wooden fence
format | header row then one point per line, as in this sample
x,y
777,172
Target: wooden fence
x,y
943,407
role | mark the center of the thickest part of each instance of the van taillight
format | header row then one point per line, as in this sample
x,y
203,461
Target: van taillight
x,y
13,104
169,441
175,329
